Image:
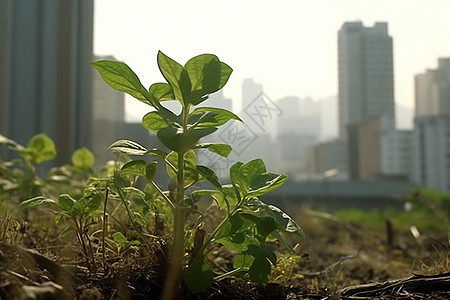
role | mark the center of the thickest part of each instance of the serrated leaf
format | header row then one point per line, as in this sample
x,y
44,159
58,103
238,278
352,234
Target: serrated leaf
x,y
83,158
36,201
120,77
128,147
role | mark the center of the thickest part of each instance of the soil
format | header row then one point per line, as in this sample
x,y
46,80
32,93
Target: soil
x,y
337,260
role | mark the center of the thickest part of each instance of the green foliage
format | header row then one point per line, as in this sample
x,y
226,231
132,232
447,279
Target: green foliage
x,y
430,210
248,223
19,178
121,205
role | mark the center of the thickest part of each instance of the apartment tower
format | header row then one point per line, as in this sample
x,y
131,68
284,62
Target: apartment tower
x,y
45,77
366,75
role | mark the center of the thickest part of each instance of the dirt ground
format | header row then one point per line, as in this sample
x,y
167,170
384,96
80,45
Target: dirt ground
x,y
337,260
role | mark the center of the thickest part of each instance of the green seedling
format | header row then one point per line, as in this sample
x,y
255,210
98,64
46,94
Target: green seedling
x,y
19,177
80,210
248,223
122,242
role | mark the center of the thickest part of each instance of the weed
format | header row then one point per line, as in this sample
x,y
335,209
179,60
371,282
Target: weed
x,y
247,221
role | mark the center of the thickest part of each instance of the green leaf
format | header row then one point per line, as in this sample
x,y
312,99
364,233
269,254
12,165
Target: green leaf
x,y
211,116
120,77
119,238
235,178
247,171
198,275
35,201
209,175
176,76
153,121
128,147
162,91
134,167
225,73
263,183
177,140
262,265
40,148
221,149
83,159
199,194
150,170
263,225
10,143
283,220
87,206
65,202
158,153
207,75
204,72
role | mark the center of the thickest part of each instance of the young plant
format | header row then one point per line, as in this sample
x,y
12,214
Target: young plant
x,y
80,209
248,223
19,177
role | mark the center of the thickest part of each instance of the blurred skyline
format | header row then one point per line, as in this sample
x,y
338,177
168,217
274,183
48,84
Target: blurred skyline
x,y
290,47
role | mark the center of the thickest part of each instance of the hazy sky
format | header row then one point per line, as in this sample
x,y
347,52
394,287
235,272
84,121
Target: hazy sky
x,y
289,46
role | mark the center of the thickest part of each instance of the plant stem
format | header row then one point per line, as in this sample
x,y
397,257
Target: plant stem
x,y
171,285
124,202
104,226
162,193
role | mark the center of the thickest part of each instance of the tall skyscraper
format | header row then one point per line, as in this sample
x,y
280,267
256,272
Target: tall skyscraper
x,y
45,77
432,90
250,91
431,138
366,76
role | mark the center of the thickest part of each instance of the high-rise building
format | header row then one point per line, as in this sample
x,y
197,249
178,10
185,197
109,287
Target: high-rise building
x,y
108,116
297,129
431,145
431,138
377,150
366,75
432,90
45,77
250,91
